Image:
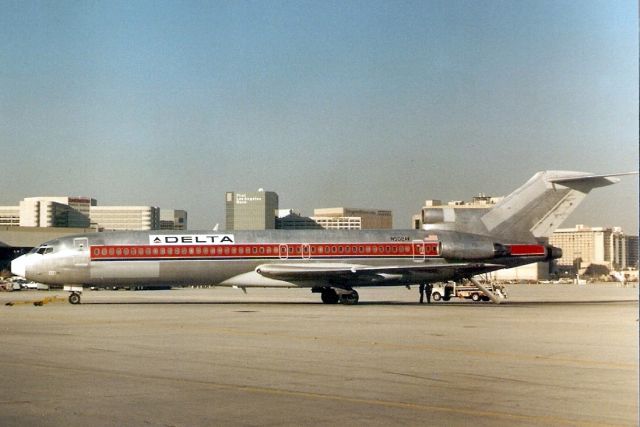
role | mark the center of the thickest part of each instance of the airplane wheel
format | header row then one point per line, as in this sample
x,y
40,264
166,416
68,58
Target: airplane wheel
x,y
475,297
350,299
74,298
436,296
329,296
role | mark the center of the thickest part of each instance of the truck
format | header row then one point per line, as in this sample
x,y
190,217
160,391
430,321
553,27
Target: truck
x,y
467,290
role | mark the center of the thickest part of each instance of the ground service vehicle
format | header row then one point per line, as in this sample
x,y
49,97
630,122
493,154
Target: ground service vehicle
x,y
467,290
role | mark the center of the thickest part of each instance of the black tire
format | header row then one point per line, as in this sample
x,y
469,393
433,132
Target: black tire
x,y
350,299
74,298
329,296
436,296
475,297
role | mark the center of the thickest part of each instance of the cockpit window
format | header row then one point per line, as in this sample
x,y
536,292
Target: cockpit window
x,y
42,250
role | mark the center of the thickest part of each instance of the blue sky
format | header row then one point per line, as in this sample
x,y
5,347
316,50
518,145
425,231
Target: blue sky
x,y
363,104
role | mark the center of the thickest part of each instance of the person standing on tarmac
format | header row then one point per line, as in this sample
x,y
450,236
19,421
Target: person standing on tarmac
x,y
422,293
428,288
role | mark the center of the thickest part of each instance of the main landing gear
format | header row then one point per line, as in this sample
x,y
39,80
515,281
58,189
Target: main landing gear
x,y
337,295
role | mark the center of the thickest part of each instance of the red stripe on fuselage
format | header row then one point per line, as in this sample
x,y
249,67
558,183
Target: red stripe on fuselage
x,y
266,250
527,250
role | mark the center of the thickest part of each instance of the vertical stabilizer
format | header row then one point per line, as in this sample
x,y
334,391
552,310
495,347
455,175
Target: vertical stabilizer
x,y
538,207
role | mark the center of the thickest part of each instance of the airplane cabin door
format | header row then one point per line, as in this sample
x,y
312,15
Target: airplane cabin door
x,y
306,251
283,252
419,250
81,251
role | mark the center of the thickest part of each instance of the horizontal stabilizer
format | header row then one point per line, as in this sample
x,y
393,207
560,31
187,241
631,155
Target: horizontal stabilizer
x,y
594,181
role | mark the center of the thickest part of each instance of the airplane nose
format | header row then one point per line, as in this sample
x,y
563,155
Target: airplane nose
x,y
19,266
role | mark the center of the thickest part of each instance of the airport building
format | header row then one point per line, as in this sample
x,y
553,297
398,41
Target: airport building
x,y
120,218
251,210
583,246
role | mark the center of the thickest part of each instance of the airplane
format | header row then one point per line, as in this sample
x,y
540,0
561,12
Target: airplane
x,y
330,262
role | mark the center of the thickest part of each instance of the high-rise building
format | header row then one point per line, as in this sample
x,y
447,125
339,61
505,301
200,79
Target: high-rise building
x,y
632,251
583,246
251,210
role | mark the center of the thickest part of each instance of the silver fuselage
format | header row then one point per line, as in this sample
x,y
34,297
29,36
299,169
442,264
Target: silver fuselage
x,y
234,258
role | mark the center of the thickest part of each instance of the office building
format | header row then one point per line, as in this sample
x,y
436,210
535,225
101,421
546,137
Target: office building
x,y
10,216
171,219
84,212
584,246
55,211
118,218
632,251
251,210
353,218
288,219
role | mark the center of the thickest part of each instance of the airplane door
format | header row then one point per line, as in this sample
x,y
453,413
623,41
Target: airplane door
x,y
283,252
419,252
306,251
81,251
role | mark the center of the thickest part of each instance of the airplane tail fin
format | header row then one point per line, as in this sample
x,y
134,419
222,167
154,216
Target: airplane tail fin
x,y
538,207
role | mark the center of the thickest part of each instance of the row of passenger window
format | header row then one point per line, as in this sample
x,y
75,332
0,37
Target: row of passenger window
x,y
265,250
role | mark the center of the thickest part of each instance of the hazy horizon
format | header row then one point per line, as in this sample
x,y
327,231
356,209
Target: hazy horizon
x,y
360,104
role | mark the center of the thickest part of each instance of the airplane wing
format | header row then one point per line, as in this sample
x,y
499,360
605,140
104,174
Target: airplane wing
x,y
320,271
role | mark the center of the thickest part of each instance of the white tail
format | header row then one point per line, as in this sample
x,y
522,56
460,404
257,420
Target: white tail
x,y
531,212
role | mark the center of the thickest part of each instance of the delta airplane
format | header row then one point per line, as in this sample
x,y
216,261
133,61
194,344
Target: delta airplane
x,y
332,263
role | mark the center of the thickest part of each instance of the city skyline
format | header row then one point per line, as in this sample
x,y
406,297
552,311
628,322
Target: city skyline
x,y
366,104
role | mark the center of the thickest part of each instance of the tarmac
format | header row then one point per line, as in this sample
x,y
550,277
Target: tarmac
x,y
550,355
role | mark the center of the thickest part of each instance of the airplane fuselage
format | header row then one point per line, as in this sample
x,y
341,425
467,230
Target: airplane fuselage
x,y
235,258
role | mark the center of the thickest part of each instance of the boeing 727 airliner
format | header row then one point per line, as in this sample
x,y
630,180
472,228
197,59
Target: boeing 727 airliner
x,y
331,263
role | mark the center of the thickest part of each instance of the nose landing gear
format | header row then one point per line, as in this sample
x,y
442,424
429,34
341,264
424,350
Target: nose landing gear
x,y
74,298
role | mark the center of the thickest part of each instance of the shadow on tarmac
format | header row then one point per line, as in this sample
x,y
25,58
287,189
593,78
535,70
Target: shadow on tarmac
x,y
372,303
